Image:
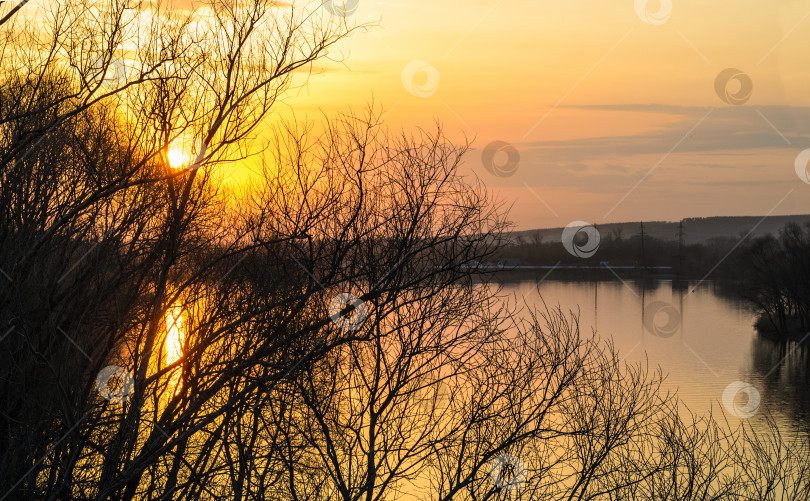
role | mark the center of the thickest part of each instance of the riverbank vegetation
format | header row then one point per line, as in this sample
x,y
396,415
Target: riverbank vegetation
x,y
777,281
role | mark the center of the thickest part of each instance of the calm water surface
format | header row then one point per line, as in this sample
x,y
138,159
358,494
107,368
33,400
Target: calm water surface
x,y
702,338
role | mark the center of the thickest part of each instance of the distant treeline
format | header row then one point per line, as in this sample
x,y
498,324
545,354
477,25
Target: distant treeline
x,y
617,251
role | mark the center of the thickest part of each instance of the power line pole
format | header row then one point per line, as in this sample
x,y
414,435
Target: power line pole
x,y
680,247
643,254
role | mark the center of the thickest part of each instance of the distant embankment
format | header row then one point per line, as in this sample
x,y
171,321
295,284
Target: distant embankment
x,y
697,248
695,230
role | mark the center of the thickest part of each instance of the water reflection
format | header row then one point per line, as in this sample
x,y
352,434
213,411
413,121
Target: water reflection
x,y
174,334
783,368
174,344
700,334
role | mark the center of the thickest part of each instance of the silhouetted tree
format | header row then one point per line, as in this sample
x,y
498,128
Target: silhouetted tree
x,y
777,275
320,333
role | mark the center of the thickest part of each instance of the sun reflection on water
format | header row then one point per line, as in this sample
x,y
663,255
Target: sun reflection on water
x,y
174,340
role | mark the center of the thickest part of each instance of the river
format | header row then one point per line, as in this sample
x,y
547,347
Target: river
x,y
701,336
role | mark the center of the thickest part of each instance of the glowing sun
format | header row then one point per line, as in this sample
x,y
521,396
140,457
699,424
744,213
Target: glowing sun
x,y
184,151
177,157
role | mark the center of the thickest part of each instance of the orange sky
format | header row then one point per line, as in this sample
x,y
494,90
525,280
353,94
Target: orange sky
x,y
613,106
593,98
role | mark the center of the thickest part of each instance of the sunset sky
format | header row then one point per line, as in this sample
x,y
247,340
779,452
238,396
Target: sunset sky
x,y
593,98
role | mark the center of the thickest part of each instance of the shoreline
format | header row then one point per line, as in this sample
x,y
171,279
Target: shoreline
x,y
598,273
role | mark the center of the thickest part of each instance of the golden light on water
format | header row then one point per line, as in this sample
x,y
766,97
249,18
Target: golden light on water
x,y
174,344
174,335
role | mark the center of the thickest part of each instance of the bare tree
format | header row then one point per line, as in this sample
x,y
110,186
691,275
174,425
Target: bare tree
x,y
777,271
322,333
102,237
